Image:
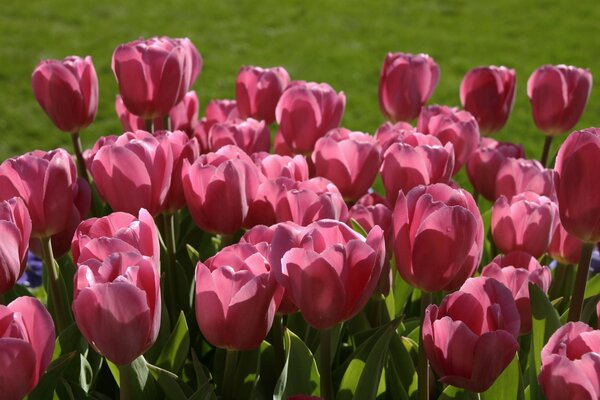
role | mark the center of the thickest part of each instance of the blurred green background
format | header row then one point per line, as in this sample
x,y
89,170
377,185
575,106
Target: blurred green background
x,y
339,42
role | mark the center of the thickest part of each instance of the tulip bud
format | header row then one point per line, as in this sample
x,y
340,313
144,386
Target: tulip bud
x,y
257,91
517,175
249,135
15,230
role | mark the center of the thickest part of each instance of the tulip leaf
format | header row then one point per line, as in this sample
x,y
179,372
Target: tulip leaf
x,y
205,390
265,384
193,254
400,371
402,290
140,385
300,374
176,348
454,393
47,384
246,374
593,287
545,321
168,382
507,385
358,227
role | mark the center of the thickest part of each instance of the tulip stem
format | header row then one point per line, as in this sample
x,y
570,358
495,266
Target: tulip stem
x,y
149,125
169,226
79,155
580,282
55,294
229,375
546,151
277,336
423,367
126,389
325,365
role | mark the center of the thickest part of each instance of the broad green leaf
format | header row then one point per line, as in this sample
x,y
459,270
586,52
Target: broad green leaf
x,y
402,364
593,287
545,321
454,393
205,389
47,384
193,254
358,228
176,348
246,374
142,386
300,374
507,385
265,384
168,382
402,290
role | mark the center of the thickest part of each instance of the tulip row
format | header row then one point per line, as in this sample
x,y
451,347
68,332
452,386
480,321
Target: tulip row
x,y
291,260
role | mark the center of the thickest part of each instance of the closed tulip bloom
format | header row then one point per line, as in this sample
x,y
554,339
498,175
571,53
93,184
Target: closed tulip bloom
x,y
438,237
571,363
274,166
306,111
220,111
155,74
577,164
406,82
134,172
45,181
389,133
329,270
102,288
523,223
452,125
558,96
564,247
349,159
26,343
257,91
518,175
67,90
489,94
249,135
472,336
15,230
484,164
280,147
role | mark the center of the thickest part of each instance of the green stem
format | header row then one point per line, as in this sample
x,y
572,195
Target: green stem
x,y
580,282
167,123
82,171
476,196
149,125
423,367
59,304
277,336
2,299
229,375
170,243
126,389
546,151
325,365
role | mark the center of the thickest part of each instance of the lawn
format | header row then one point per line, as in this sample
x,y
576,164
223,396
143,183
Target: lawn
x,y
339,42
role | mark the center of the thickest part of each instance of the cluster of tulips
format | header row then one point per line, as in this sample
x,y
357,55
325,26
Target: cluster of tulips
x,y
303,281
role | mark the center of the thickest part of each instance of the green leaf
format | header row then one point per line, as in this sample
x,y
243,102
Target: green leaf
x,y
142,387
246,373
176,348
168,382
300,374
454,393
358,228
402,290
193,254
545,321
593,287
47,384
402,364
203,379
267,379
507,385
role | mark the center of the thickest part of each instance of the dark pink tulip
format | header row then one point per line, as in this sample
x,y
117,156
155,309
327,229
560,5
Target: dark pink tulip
x,y
201,135
26,344
117,306
515,271
15,230
484,163
215,182
89,154
134,172
281,147
155,74
438,237
67,90
489,94
249,135
389,133
518,175
406,82
417,160
329,270
45,181
236,297
577,166
571,363
306,111
274,166
349,159
558,95
257,91
472,336
220,111
564,247
523,223
452,125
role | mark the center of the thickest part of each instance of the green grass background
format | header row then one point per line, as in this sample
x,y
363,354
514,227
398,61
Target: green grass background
x,y
339,42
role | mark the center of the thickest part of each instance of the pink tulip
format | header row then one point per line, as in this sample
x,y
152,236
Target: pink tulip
x,y
389,133
518,175
134,172
516,271
523,223
329,270
155,74
15,230
275,166
257,91
450,124
438,237
201,135
306,111
489,94
281,147
577,166
417,160
406,82
67,90
349,159
26,344
564,247
102,288
249,135
571,363
236,297
472,336
220,111
46,182
558,95
89,154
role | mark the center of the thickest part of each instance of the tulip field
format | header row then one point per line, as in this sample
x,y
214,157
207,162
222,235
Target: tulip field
x,y
182,219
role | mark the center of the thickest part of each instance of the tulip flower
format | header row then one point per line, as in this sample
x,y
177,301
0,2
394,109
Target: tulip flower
x,y
350,160
102,288
220,111
406,82
15,230
449,124
257,91
306,111
441,218
472,336
249,135
274,166
280,147
26,344
488,93
564,247
518,175
67,91
389,133
523,223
